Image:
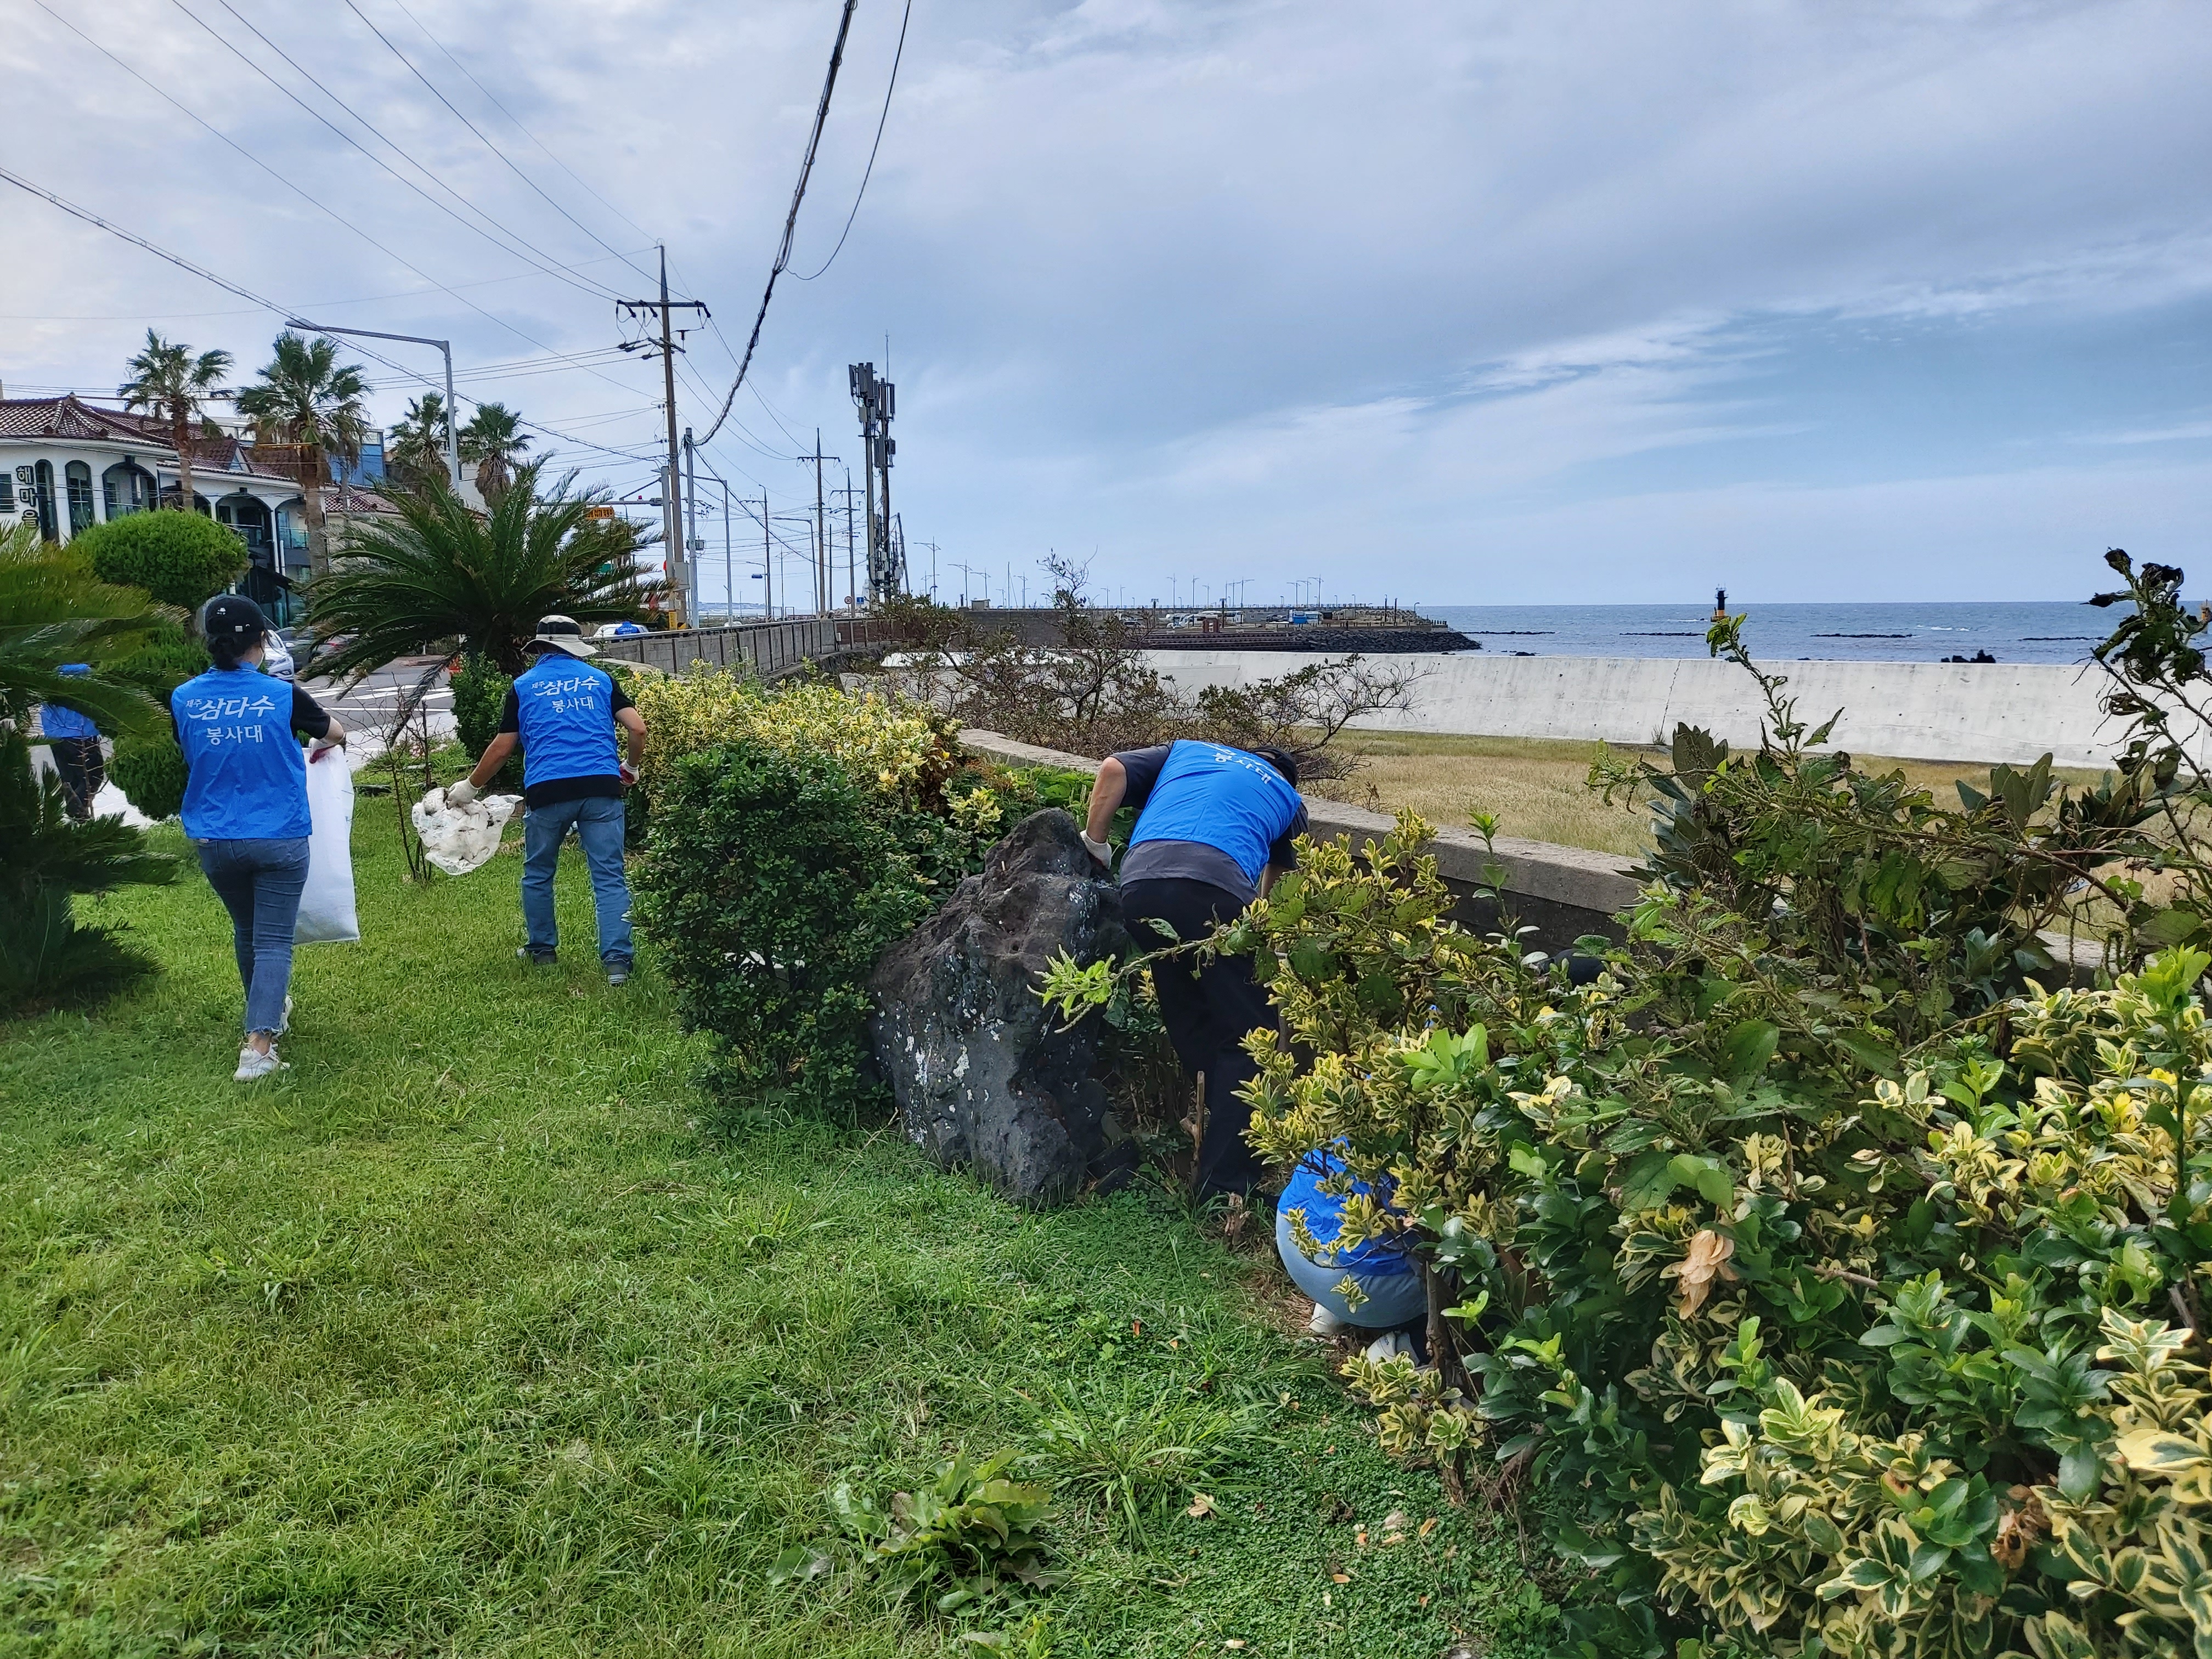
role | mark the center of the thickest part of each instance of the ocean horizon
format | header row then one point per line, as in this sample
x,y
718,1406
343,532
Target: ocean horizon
x,y
2011,631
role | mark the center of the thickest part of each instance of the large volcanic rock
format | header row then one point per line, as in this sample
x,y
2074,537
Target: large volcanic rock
x,y
984,1079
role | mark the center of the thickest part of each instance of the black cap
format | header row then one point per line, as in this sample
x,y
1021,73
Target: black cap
x,y
1281,761
233,621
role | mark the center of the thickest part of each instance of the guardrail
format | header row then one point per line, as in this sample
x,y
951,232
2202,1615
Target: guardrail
x,y
771,649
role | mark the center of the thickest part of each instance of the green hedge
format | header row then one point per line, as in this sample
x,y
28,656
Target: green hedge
x,y
770,884
180,558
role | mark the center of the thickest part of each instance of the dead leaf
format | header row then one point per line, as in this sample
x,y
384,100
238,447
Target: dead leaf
x,y
1340,1578
1234,1642
1360,1538
1428,1526
1201,1507
1707,1261
1395,1522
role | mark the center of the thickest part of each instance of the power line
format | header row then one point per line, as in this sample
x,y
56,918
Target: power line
x,y
869,173
790,219
524,131
479,132
229,287
527,253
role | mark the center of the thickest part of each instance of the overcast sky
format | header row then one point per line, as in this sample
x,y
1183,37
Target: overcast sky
x,y
1458,302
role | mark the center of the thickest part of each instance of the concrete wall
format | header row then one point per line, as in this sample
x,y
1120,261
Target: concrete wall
x,y
1933,711
775,649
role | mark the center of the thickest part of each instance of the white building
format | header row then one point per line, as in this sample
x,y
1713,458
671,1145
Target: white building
x,y
67,464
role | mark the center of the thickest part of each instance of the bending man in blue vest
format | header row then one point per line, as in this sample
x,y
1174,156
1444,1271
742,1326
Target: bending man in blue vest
x,y
563,712
1214,829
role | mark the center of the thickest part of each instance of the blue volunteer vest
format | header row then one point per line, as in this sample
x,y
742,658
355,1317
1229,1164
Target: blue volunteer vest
x,y
565,711
58,722
247,779
1221,798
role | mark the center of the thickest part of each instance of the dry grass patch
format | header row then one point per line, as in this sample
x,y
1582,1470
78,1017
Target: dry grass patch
x,y
1536,788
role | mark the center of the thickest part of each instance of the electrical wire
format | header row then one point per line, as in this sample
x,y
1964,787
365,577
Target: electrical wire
x,y
266,304
869,172
511,116
481,136
525,253
790,219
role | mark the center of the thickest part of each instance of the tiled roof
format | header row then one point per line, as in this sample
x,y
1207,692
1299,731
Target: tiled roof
x,y
66,419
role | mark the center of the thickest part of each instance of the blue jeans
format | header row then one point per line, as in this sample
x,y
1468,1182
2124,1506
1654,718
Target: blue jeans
x,y
260,883
1393,1299
598,822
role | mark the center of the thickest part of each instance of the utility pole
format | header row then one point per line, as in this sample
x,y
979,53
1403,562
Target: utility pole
x,y
825,571
672,511
691,542
932,546
852,568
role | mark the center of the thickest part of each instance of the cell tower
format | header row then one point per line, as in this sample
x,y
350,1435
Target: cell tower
x,y
877,401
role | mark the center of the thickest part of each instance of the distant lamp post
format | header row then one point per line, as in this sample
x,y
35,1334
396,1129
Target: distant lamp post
x,y
452,443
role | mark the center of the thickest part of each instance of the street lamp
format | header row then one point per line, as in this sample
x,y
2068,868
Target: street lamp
x,y
452,445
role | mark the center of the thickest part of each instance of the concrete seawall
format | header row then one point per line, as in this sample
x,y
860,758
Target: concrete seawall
x,y
1929,711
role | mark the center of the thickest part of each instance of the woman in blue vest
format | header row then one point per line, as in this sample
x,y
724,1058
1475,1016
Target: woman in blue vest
x,y
1388,1280
1215,828
246,807
562,712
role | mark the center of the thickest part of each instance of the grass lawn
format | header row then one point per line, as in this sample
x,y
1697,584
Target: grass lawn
x,y
1536,784
461,1338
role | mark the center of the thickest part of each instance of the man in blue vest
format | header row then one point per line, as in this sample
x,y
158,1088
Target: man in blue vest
x,y
1215,828
563,713
74,742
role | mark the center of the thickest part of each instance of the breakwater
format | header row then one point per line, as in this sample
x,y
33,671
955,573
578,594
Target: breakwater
x,y
1930,711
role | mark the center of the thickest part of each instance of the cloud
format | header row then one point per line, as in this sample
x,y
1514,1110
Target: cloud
x,y
1254,275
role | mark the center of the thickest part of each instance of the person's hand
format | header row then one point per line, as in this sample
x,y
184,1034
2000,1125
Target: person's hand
x,y
461,793
1100,850
319,748
627,773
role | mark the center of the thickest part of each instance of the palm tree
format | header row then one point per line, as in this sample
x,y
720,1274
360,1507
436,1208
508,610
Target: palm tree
x,y
415,451
493,439
167,380
306,400
441,576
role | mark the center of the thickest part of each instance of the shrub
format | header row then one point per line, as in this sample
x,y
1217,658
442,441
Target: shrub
x,y
479,698
151,773
1837,1284
772,884
894,751
179,558
169,657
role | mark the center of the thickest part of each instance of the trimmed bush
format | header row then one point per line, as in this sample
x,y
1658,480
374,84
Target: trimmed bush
x,y
770,884
150,771
179,558
166,661
479,695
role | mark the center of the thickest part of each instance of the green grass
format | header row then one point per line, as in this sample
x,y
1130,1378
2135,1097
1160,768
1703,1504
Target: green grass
x,y
458,1338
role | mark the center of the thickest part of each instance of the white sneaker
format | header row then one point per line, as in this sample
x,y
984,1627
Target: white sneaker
x,y
284,1019
1390,1345
254,1065
1323,1323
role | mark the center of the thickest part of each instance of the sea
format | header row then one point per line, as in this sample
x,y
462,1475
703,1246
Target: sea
x,y
2058,631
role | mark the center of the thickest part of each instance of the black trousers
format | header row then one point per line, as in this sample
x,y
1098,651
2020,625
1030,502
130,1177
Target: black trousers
x,y
83,770
1207,1012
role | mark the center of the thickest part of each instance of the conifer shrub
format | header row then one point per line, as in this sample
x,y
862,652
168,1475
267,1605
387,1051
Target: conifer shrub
x,y
179,558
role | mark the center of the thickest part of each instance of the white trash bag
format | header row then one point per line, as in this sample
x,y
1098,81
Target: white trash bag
x,y
326,908
459,839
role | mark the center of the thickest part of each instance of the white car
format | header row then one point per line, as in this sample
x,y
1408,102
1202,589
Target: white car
x,y
275,656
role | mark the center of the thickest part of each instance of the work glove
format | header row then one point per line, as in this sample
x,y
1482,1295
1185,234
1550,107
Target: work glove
x,y
461,793
1100,850
627,772
318,748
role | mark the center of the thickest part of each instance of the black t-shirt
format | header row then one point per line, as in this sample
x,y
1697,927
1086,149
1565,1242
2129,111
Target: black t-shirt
x,y
608,786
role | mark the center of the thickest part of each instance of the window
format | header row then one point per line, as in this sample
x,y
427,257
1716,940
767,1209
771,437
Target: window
x,y
7,490
42,486
80,514
128,488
